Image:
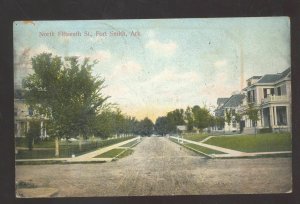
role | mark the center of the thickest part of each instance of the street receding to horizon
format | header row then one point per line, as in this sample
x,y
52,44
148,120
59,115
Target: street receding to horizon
x,y
160,167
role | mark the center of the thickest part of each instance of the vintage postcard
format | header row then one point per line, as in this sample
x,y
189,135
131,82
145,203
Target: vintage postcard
x,y
155,107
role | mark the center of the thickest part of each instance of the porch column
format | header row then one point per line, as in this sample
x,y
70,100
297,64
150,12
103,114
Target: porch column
x,y
271,117
18,129
275,115
289,117
262,118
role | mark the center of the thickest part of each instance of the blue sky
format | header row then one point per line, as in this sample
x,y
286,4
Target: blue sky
x,y
173,63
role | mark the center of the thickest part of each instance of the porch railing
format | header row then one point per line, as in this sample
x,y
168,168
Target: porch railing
x,y
274,98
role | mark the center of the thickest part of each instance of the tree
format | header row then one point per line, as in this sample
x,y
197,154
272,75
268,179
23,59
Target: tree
x,y
175,118
253,114
189,118
145,127
161,125
66,92
33,133
104,124
228,117
201,117
238,118
220,122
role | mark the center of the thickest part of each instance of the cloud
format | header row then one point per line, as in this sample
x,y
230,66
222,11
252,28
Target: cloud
x,y
162,49
171,86
220,83
128,68
22,61
168,75
220,63
100,56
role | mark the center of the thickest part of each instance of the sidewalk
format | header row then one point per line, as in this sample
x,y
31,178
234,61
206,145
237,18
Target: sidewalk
x,y
220,149
88,157
229,153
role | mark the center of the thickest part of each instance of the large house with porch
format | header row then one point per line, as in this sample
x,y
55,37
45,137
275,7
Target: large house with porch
x,y
271,94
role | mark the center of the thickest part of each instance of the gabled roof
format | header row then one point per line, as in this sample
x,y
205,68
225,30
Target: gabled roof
x,y
221,100
234,101
254,77
272,78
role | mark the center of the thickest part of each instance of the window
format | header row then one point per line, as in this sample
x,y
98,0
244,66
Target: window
x,y
281,90
265,93
234,123
248,96
268,92
278,91
281,115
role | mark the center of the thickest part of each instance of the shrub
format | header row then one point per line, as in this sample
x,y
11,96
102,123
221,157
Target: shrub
x,y
265,130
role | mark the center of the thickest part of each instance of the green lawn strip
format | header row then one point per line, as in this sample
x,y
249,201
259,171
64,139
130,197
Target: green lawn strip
x,y
198,149
203,149
195,137
130,144
67,149
23,142
126,153
268,142
111,153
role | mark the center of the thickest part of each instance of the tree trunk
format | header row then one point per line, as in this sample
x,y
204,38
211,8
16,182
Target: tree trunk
x,y
80,142
56,147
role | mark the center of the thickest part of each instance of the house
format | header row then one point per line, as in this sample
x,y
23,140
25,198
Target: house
x,y
181,128
271,95
24,115
219,112
228,108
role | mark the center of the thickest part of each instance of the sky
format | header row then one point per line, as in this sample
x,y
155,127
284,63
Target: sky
x,y
152,66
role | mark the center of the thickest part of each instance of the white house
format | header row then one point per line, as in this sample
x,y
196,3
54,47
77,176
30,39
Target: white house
x,y
23,116
228,107
271,94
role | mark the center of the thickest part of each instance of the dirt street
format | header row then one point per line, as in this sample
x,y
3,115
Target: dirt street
x,y
161,167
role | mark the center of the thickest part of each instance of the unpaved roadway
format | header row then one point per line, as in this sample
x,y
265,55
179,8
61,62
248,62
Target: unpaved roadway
x,y
161,167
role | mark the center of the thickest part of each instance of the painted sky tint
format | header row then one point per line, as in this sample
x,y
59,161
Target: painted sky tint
x,y
172,64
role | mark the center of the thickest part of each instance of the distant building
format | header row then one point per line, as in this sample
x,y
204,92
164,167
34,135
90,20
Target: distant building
x,y
219,111
229,106
181,128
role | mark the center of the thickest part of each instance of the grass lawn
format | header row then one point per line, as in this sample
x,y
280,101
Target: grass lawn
x,y
130,144
198,148
195,137
268,142
126,153
23,142
203,149
111,153
66,149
